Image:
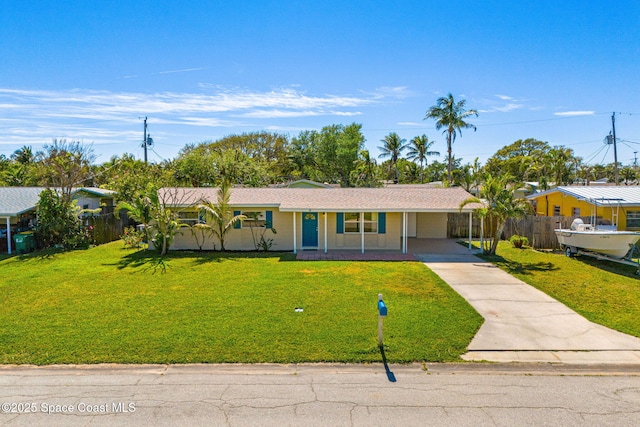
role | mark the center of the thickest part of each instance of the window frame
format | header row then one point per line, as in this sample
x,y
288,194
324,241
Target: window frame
x,y
354,222
635,219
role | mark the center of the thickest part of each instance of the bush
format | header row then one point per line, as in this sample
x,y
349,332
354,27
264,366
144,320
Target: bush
x,y
132,238
519,241
58,223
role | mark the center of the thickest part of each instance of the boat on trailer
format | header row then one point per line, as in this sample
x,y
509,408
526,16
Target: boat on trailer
x,y
586,237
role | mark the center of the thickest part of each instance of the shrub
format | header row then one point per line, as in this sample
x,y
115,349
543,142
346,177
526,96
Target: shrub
x,y
132,238
519,241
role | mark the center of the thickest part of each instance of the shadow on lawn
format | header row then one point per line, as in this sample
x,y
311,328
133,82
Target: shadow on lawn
x,y
150,260
611,266
524,268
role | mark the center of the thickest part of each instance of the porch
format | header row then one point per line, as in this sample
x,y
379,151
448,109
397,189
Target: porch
x,y
415,246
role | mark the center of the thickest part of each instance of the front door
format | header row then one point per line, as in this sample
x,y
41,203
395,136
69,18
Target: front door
x,y
309,229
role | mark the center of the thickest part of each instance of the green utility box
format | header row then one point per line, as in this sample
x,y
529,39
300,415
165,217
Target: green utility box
x,y
25,243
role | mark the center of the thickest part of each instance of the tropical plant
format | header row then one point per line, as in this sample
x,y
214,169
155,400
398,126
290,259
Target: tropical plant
x,y
132,238
419,150
364,174
519,241
451,116
219,216
497,196
58,222
392,148
156,210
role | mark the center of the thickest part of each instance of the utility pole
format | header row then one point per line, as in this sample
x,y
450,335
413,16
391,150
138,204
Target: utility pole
x,y
615,151
635,159
144,141
147,141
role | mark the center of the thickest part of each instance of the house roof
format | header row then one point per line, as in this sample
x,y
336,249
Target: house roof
x,y
18,200
621,195
331,199
15,201
95,191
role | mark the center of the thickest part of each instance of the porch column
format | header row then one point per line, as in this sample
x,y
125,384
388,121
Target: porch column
x,y
481,235
404,232
9,235
470,228
295,238
362,230
325,232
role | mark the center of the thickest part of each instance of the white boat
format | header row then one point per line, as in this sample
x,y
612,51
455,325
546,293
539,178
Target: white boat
x,y
581,236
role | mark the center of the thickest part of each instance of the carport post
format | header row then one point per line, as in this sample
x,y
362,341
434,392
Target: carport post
x,y
362,230
404,232
470,228
9,235
295,249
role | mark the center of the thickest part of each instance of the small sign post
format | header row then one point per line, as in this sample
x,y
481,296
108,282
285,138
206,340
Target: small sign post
x,y
382,313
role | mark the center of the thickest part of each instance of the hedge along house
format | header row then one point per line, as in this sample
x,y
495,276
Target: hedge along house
x,y
616,205
325,219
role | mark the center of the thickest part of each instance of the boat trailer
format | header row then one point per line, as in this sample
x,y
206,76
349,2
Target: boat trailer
x,y
572,251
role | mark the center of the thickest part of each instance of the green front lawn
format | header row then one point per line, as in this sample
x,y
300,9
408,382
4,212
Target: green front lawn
x,y
110,304
602,291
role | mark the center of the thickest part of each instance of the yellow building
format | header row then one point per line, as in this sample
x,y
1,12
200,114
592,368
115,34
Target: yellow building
x,y
616,205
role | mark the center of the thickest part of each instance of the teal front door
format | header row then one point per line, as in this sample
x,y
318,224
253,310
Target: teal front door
x,y
310,229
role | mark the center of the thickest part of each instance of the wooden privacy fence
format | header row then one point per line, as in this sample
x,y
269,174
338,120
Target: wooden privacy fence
x,y
538,229
106,227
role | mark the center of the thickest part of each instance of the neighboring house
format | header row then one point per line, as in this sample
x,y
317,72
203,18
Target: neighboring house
x,y
618,205
304,183
93,198
18,208
325,218
17,212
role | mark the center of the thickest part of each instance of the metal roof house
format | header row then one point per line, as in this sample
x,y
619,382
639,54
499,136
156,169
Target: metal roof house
x,y
619,205
18,206
326,218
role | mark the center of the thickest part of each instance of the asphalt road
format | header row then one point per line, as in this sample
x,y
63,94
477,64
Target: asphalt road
x,y
321,395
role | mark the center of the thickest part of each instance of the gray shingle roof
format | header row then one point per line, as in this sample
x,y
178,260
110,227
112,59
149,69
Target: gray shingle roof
x,y
332,199
17,200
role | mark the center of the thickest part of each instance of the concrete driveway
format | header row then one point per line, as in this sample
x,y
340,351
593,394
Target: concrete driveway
x,y
524,324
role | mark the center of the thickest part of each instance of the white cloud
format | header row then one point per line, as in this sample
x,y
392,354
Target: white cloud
x,y
504,97
35,116
574,113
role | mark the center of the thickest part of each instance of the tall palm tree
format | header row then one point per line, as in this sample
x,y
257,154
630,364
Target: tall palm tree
x,y
392,148
450,115
419,150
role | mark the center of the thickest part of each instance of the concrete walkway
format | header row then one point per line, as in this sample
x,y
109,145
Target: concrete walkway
x,y
523,324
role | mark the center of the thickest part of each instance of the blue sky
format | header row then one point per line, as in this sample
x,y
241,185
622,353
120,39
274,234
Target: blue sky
x,y
200,70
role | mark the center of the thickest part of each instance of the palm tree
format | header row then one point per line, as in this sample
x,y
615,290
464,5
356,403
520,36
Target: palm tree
x,y
364,173
392,148
23,155
450,115
498,196
419,150
219,215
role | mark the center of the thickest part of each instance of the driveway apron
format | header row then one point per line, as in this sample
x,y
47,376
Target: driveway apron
x,y
523,323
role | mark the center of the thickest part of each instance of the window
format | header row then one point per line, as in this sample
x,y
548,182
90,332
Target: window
x,y
254,219
370,222
556,210
352,222
633,219
189,217
575,211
